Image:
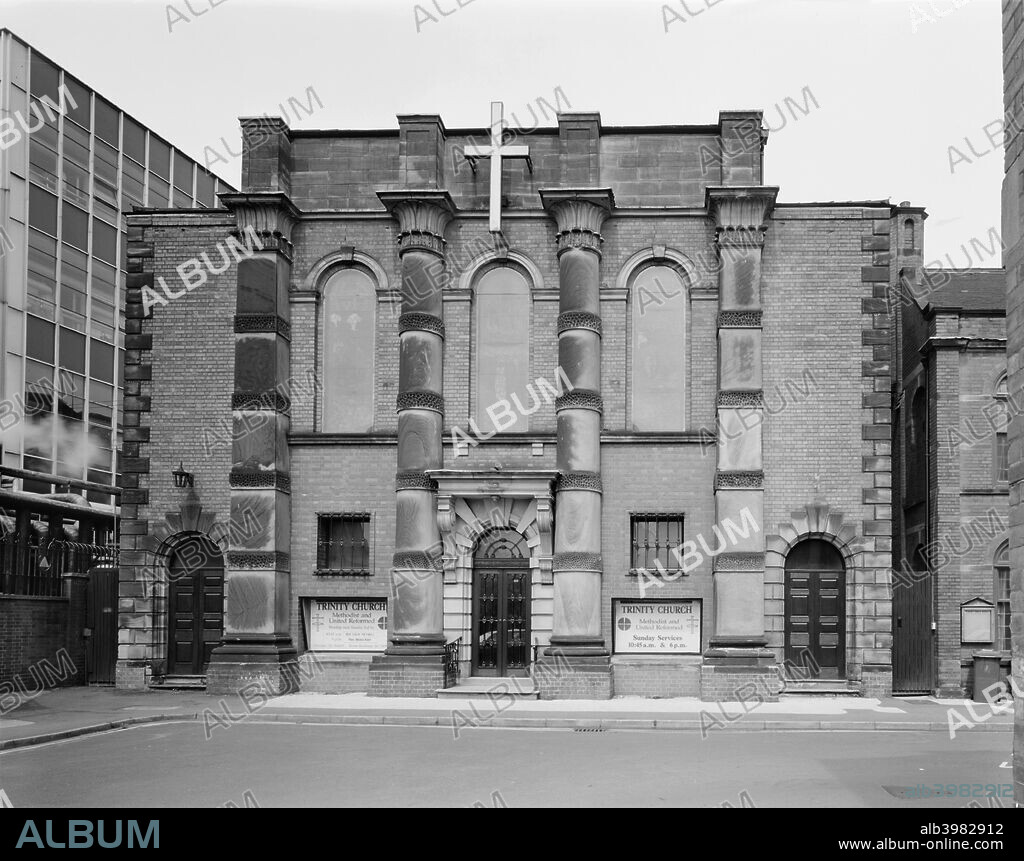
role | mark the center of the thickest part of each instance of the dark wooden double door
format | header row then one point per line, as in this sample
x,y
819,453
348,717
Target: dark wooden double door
x,y
815,607
196,607
501,618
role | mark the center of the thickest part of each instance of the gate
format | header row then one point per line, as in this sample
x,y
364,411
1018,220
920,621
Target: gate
x,y
912,629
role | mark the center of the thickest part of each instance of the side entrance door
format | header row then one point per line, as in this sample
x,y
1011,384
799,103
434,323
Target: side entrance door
x,y
196,603
815,607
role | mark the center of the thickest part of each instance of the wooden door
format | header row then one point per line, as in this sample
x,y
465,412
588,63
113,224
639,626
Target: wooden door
x,y
196,603
815,607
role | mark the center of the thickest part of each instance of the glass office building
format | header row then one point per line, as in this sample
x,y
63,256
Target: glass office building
x,y
71,164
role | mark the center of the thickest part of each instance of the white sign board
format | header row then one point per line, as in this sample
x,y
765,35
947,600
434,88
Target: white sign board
x,y
347,624
665,627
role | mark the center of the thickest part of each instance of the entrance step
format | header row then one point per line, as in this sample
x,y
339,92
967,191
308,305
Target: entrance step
x,y
820,688
483,687
178,683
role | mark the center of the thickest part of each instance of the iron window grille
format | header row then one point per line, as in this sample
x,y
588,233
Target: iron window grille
x,y
343,545
653,538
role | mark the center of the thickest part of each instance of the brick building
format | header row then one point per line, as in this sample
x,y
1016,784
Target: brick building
x,y
612,415
1013,258
950,480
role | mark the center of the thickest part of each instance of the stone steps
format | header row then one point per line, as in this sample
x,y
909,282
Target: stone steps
x,y
178,683
820,688
493,688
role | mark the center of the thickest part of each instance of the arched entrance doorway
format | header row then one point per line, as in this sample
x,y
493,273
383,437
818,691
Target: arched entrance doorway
x,y
815,608
196,605
501,604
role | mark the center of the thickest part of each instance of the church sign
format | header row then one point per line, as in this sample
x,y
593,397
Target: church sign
x,y
663,627
347,624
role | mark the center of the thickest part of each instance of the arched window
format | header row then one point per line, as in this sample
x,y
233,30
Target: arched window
x,y
658,316
1001,451
349,312
502,299
1000,388
908,235
1001,592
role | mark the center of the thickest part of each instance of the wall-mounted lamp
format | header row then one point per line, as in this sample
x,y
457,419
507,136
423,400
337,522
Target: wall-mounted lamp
x,y
183,478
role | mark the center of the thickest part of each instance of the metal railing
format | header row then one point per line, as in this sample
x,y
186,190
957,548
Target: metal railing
x,y
38,569
451,662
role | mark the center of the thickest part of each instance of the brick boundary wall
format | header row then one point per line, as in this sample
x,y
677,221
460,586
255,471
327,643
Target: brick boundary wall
x,y
34,630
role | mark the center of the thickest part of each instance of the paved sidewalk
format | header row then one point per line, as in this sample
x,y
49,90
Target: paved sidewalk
x,y
70,712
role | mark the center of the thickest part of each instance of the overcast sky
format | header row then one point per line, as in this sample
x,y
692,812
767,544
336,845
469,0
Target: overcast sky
x,y
897,83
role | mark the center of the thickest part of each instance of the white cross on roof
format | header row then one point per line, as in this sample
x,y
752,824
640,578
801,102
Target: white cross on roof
x,y
495,151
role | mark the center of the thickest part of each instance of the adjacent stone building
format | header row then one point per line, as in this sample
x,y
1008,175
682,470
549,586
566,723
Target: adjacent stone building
x,y
1013,260
590,403
951,479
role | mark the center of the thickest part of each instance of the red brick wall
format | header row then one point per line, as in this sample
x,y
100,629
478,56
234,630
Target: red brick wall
x,y
37,630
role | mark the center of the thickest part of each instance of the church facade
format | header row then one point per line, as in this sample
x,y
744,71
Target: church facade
x,y
590,405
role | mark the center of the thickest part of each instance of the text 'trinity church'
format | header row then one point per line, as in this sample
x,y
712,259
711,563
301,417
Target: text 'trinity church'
x,y
591,404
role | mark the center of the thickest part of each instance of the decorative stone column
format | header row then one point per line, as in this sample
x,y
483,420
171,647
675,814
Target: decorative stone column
x,y
576,640
257,647
737,650
413,664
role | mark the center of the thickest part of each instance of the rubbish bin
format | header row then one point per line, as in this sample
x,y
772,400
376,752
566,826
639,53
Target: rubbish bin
x,y
987,672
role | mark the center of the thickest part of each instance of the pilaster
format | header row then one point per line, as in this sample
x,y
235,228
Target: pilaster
x,y
737,646
257,646
413,664
577,565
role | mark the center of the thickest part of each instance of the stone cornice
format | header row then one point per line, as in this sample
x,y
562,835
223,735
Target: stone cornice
x,y
422,215
579,214
518,483
272,215
740,212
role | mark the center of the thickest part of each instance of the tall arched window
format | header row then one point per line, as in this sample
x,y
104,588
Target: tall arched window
x,y
349,309
658,314
503,349
1001,593
909,240
1001,451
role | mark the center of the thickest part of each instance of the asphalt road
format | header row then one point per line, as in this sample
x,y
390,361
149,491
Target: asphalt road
x,y
286,765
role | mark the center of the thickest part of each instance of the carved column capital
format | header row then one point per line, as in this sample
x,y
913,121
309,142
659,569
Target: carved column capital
x,y
422,216
740,213
270,215
579,214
